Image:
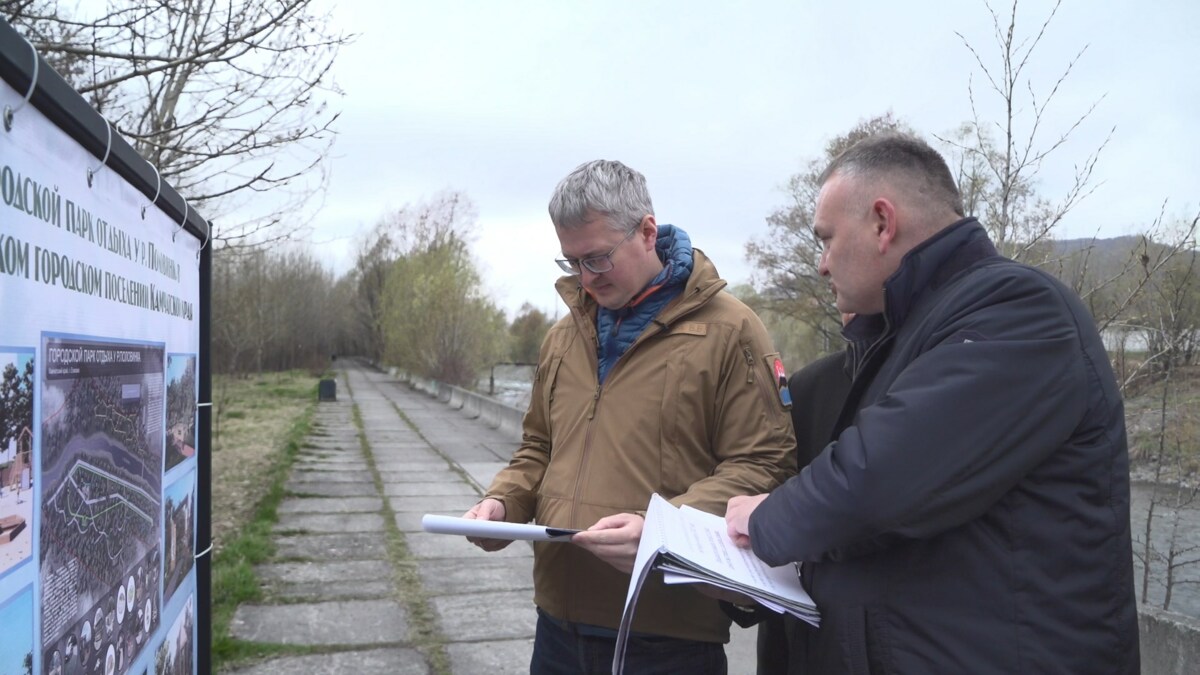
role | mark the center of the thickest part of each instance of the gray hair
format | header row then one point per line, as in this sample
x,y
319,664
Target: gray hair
x,y
893,154
601,187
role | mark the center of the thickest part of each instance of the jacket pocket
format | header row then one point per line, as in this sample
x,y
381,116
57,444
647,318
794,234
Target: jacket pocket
x,y
689,379
865,646
549,382
854,642
879,645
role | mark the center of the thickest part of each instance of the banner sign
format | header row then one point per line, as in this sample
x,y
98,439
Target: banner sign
x,y
99,350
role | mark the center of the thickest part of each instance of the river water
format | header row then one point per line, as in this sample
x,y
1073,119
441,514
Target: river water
x,y
1175,511
509,384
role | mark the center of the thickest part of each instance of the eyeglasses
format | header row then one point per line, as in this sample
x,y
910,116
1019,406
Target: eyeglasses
x,y
597,264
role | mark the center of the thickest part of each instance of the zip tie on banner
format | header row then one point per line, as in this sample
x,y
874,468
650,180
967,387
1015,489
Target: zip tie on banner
x,y
92,171
206,551
207,236
157,190
10,111
183,222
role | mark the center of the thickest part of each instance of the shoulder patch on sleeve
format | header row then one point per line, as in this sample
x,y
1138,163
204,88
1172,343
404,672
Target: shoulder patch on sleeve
x,y
689,328
779,378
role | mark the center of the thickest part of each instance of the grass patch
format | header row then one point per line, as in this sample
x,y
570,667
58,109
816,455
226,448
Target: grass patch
x,y
1173,421
423,628
262,450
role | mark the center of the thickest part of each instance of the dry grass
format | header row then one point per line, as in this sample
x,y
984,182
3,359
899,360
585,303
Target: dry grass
x,y
251,419
1178,430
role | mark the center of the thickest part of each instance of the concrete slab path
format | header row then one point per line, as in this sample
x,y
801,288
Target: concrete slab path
x,y
358,584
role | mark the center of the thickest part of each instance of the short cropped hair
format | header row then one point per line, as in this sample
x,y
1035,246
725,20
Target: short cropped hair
x,y
894,154
604,187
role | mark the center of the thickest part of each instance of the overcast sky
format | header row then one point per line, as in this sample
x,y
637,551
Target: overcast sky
x,y
718,103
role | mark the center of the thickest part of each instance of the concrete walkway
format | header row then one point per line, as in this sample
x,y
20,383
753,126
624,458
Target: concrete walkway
x,y
358,584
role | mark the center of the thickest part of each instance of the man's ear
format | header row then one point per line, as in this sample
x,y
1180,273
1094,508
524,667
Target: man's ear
x,y
883,213
649,231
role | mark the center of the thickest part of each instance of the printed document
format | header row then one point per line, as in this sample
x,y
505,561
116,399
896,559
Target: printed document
x,y
691,546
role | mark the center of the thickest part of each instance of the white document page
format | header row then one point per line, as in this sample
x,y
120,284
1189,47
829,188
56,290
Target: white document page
x,y
709,542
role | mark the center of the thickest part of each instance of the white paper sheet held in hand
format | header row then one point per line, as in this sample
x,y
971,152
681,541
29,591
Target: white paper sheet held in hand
x,y
691,546
493,529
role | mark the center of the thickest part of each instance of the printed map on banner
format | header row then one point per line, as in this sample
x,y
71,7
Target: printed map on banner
x,y
102,406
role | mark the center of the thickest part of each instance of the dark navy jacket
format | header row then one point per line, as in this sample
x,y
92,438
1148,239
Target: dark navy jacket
x,y
972,513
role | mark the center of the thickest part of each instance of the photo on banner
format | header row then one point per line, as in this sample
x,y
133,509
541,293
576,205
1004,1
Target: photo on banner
x,y
181,410
175,655
16,457
179,533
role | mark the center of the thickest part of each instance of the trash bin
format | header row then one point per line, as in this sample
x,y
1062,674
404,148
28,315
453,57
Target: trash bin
x,y
327,390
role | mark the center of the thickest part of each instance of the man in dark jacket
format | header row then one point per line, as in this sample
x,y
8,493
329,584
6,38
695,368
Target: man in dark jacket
x,y
818,391
972,513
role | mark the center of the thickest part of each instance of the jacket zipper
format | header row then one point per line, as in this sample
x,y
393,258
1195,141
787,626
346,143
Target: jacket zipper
x,y
875,345
763,386
585,456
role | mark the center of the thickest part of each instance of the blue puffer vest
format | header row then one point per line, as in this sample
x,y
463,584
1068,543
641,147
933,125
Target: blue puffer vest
x,y
618,328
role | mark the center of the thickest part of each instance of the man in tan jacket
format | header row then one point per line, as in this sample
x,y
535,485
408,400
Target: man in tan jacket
x,y
657,382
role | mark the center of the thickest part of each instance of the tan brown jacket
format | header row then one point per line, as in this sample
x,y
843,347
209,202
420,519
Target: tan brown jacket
x,y
691,411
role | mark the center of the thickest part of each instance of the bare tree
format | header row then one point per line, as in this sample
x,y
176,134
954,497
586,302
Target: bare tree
x,y
226,99
526,332
1170,311
435,319
1131,305
786,259
999,178
376,255
274,310
999,161
793,337
1165,555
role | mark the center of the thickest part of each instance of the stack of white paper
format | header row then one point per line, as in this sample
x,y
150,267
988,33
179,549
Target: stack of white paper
x,y
691,546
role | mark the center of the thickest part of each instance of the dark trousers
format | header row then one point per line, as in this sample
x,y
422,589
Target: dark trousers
x,y
560,648
782,645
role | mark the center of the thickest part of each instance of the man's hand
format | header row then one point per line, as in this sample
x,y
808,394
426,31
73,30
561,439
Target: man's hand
x,y
613,539
488,509
737,518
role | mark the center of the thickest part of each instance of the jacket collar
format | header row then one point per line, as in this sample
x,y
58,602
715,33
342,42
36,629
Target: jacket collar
x,y
932,263
702,284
